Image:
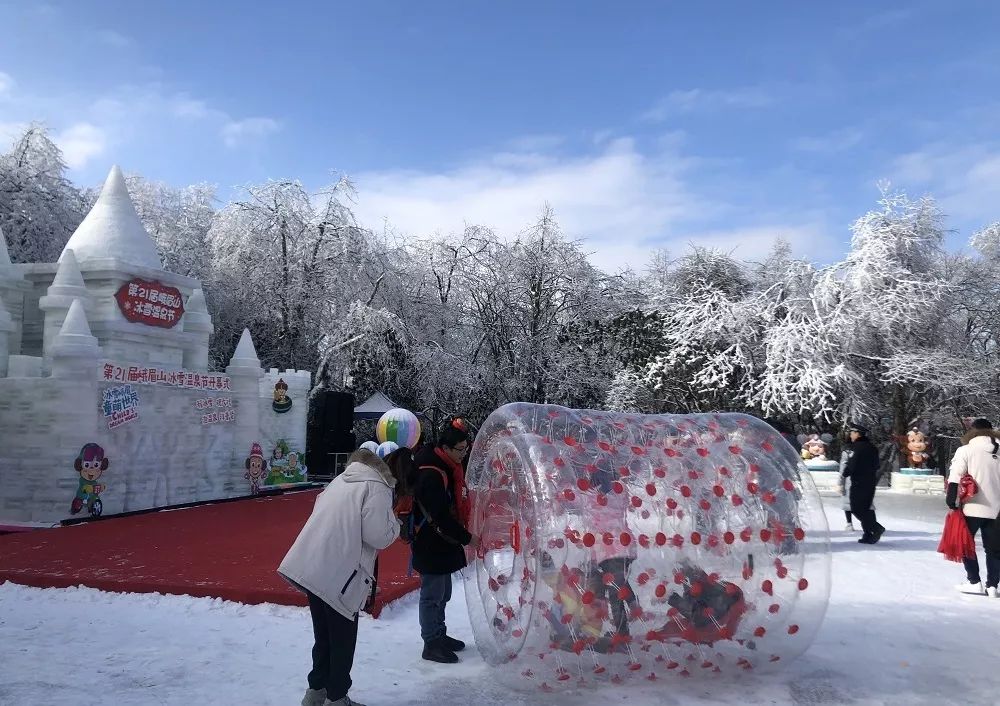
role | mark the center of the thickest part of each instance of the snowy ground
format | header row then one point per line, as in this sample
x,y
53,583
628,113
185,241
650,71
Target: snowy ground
x,y
896,633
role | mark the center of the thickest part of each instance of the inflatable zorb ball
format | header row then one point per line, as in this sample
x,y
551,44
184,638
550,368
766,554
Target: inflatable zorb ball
x,y
616,546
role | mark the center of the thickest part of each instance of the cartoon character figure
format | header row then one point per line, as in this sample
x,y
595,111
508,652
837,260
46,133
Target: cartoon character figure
x,y
814,449
256,468
277,471
282,402
90,463
917,449
293,471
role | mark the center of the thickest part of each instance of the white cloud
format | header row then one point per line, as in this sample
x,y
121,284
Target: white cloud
x,y
6,83
965,179
239,132
621,202
80,142
700,99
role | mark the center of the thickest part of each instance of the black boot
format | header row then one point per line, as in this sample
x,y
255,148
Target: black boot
x,y
868,539
435,651
452,644
879,531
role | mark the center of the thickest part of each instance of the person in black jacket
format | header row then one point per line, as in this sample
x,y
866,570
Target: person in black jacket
x,y
862,468
440,514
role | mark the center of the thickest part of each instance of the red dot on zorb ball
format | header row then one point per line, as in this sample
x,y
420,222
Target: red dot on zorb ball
x,y
765,535
587,597
661,539
737,500
643,578
759,632
803,584
589,540
569,494
625,539
787,484
767,587
650,489
792,629
636,501
608,578
695,538
773,608
661,591
702,452
753,488
608,538
671,504
624,594
799,534
618,487
685,491
718,490
728,537
583,484
704,504
602,499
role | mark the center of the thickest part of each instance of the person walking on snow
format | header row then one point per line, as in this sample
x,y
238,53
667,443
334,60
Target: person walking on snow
x,y
333,562
845,490
440,517
979,457
862,469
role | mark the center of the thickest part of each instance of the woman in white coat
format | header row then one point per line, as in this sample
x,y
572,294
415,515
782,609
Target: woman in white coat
x,y
979,457
333,562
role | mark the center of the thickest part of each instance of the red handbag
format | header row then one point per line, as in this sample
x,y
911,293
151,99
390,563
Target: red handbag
x,y
967,488
956,540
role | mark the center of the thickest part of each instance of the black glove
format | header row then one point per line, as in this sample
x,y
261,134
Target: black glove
x,y
952,497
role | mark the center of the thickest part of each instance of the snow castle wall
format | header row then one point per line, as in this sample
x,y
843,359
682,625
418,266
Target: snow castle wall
x,y
169,436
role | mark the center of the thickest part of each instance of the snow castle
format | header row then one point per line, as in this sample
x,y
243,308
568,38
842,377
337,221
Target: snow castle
x,y
106,401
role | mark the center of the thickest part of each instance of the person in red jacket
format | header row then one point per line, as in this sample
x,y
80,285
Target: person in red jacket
x,y
440,518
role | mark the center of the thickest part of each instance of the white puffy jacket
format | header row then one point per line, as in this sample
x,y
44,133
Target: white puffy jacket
x,y
334,554
976,459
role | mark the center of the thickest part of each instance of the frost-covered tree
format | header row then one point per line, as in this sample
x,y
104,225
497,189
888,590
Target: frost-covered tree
x,y
523,294
286,266
178,219
39,207
367,352
879,311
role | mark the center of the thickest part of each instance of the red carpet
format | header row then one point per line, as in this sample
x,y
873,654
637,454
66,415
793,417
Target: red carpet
x,y
228,550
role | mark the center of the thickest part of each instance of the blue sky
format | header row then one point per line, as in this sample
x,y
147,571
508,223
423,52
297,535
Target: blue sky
x,y
644,124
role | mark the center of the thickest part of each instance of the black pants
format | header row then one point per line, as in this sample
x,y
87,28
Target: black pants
x,y
991,544
869,522
333,649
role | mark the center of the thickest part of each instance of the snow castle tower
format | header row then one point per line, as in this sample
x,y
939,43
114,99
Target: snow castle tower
x,y
104,364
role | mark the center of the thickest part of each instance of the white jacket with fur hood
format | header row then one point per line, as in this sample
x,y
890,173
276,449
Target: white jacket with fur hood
x,y
334,554
980,458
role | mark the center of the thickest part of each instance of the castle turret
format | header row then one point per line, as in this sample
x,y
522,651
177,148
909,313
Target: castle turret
x,y
112,229
196,321
244,369
74,350
66,288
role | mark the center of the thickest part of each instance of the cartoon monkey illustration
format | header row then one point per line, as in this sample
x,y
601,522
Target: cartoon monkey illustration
x,y
90,463
256,468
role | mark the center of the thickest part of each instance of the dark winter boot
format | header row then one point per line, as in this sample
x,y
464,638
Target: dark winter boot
x,y
868,539
435,651
452,644
879,531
